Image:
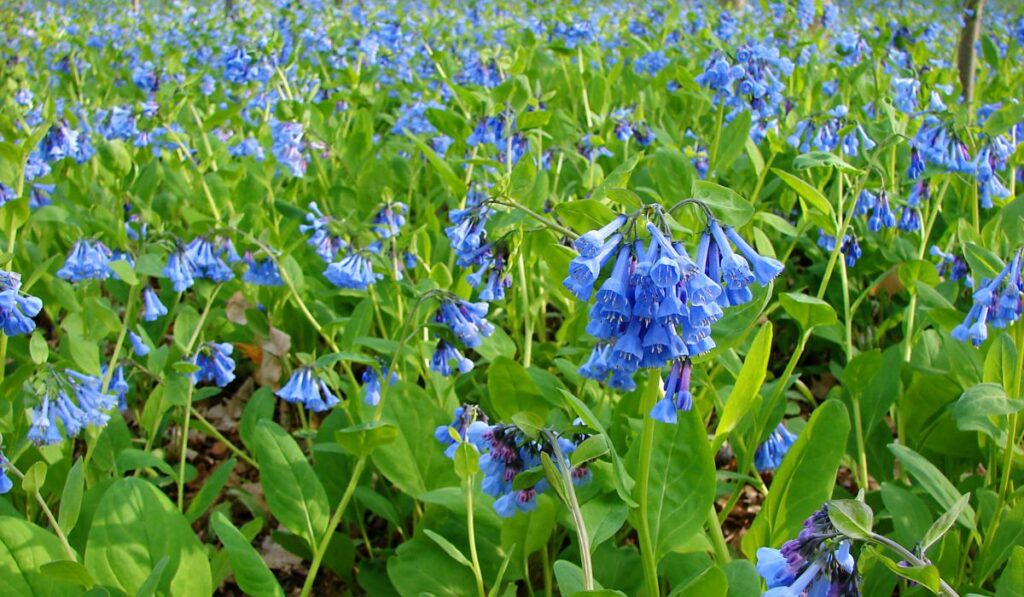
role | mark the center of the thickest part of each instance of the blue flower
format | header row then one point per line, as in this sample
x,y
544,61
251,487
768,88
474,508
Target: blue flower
x,y
882,215
88,260
996,301
469,424
7,194
305,388
16,308
772,450
466,320
817,562
180,270
326,245
138,345
215,364
390,219
152,308
288,146
371,384
262,272
445,355
677,394
354,271
207,261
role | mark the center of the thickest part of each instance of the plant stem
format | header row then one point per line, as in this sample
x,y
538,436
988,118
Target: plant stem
x,y
509,202
321,549
577,514
717,538
472,537
46,511
526,314
184,447
910,557
133,295
217,435
648,558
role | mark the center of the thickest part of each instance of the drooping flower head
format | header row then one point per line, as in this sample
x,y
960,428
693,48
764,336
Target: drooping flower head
x,y
307,389
215,364
817,562
469,425
16,308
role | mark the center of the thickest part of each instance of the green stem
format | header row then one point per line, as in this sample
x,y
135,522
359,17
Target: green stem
x,y
217,435
187,414
717,538
46,511
713,154
133,295
472,538
321,549
509,202
574,509
545,562
650,563
945,589
526,314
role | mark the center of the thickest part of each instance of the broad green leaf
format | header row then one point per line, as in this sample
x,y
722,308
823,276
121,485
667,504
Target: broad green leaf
x,y
808,311
569,577
727,205
466,459
805,479
124,271
444,171
681,485
69,571
927,576
207,494
450,549
85,354
1003,119
747,386
134,527
71,497
414,462
808,192
945,522
996,549
673,173
293,492
38,349
591,448
603,517
1011,581
35,476
512,390
530,531
852,518
816,159
24,549
250,571
420,566
933,481
734,137
363,439
584,215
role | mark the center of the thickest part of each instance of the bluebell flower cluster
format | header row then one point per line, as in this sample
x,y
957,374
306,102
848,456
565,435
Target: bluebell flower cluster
x,y
500,132
5,482
372,387
938,144
770,453
16,308
817,562
354,271
996,302
850,248
288,146
139,346
591,152
951,267
261,272
88,260
390,219
152,308
824,134
309,390
320,238
753,83
627,128
506,452
88,408
651,63
468,425
214,364
467,232
466,320
658,303
444,355
201,258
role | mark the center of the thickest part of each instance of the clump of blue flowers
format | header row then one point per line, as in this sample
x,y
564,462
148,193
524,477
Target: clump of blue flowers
x,y
996,302
88,408
817,562
16,308
468,425
309,390
214,364
772,450
657,304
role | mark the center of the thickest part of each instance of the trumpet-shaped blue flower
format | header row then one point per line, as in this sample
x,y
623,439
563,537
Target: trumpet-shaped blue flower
x,y
16,308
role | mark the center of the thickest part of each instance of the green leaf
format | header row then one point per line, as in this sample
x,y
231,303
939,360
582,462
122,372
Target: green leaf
x,y
584,215
413,461
623,482
808,192
918,271
815,159
808,311
805,479
852,518
420,566
673,173
35,476
1011,581
926,576
570,578
293,492
529,531
984,263
70,572
448,548
512,390
115,157
455,185
1003,119
24,549
466,460
71,498
38,349
85,354
997,548
747,386
251,572
727,205
678,497
933,481
591,448
212,486
124,271
734,137
133,529
603,517
364,438
945,522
